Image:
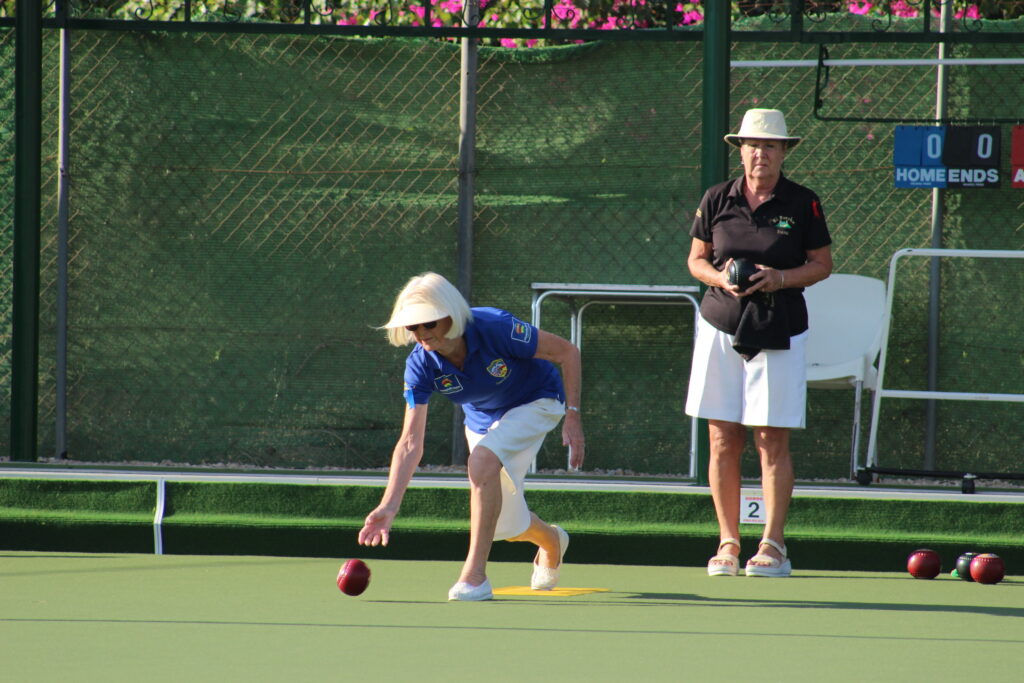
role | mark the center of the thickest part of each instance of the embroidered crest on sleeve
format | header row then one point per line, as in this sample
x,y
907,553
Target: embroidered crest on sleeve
x,y
521,332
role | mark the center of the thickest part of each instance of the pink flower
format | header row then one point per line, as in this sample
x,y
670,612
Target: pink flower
x,y
508,42
971,12
859,7
566,11
694,17
901,9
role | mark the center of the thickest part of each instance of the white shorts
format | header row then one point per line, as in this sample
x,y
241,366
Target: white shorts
x,y
770,390
515,439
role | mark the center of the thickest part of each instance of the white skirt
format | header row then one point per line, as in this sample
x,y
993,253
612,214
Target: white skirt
x,y
770,390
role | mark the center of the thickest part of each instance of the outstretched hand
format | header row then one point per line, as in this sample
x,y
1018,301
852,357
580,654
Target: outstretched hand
x,y
377,527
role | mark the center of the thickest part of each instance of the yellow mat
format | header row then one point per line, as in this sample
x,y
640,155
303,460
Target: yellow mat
x,y
561,592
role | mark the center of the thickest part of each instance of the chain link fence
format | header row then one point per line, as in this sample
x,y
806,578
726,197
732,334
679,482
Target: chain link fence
x,y
244,208
586,174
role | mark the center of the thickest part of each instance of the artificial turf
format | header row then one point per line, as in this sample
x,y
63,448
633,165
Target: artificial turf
x,y
113,617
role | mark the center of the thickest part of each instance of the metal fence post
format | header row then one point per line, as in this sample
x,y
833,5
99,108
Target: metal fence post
x,y
63,212
714,154
467,172
935,274
27,174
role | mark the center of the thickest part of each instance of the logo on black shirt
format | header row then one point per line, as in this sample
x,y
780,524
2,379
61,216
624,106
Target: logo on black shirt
x,y
783,224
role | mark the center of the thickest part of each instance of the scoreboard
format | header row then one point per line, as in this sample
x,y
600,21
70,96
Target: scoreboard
x,y
947,156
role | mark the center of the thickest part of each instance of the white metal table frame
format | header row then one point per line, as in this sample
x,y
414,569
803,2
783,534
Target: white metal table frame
x,y
605,294
881,392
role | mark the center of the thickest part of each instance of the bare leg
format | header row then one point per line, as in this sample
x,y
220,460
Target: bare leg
x,y
544,536
484,508
776,482
727,439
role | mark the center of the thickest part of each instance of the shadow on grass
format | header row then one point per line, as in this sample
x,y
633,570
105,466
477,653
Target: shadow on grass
x,y
675,599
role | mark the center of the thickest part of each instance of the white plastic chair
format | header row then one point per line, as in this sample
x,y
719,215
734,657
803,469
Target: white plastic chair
x,y
846,315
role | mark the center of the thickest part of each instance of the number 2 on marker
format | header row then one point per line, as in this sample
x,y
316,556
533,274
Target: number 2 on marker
x,y
752,509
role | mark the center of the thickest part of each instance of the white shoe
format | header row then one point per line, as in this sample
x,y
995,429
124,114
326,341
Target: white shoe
x,y
546,578
767,565
724,564
468,592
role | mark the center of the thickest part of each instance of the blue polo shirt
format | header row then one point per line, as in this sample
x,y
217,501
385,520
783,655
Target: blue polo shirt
x,y
499,373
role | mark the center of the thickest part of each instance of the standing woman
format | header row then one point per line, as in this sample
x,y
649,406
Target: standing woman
x,y
500,370
749,354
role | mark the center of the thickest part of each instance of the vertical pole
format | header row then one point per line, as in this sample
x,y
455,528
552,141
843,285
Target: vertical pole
x,y
935,273
63,187
27,161
714,153
467,173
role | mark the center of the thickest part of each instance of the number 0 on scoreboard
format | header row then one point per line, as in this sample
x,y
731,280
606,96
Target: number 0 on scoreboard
x,y
946,156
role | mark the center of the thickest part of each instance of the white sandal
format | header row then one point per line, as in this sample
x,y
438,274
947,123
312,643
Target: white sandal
x,y
766,565
725,564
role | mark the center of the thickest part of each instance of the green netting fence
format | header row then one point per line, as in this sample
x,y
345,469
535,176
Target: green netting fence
x,y
244,209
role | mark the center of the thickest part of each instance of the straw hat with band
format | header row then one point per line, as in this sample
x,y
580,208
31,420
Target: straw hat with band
x,y
763,124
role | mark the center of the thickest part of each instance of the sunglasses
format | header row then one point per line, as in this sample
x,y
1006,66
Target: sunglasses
x,y
427,326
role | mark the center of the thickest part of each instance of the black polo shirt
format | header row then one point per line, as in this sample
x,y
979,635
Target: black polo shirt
x,y
778,235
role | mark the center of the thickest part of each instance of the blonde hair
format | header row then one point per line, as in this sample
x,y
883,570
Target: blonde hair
x,y
434,290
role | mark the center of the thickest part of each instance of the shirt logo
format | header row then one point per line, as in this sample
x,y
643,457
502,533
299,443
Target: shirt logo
x,y
521,331
784,224
498,369
447,384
